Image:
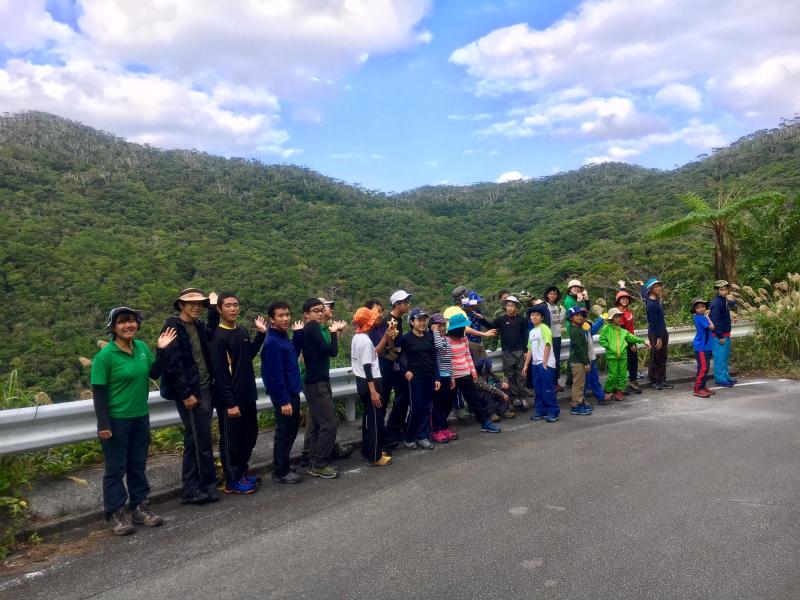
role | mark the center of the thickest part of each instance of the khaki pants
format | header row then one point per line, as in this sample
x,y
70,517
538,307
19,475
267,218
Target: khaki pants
x,y
578,381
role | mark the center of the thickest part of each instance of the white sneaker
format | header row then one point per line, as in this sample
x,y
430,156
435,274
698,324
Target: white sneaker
x,y
425,444
410,445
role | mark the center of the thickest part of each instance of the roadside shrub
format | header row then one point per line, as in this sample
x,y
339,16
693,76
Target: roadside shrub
x,y
775,311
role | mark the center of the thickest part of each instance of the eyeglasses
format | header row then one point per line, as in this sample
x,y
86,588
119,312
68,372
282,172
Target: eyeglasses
x,y
320,309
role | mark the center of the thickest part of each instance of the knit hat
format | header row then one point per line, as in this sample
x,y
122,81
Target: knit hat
x,y
612,313
121,310
651,282
720,283
365,318
623,294
575,283
457,321
190,295
697,301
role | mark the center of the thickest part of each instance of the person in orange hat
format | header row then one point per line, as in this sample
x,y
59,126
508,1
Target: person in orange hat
x,y
623,302
364,360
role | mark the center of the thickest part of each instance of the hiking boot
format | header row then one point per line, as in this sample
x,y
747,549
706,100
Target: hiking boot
x,y
451,435
410,445
551,418
425,444
701,393
340,452
239,487
290,478
328,472
618,396
383,461
489,427
120,522
195,497
634,388
509,414
494,418
142,515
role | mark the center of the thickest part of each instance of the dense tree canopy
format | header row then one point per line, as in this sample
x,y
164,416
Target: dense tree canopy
x,y
91,221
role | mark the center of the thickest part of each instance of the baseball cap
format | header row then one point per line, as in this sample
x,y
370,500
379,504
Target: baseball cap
x,y
399,296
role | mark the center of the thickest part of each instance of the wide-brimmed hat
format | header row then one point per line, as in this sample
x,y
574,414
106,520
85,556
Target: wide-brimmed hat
x,y
190,295
575,283
651,282
540,308
457,321
697,301
511,299
720,283
458,292
613,313
365,318
553,288
623,294
120,310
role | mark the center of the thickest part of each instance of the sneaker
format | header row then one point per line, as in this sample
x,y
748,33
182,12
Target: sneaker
x,y
732,381
489,427
254,479
727,384
440,437
576,410
559,388
666,385
551,418
607,397
702,393
712,392
462,414
340,452
619,396
239,487
383,461
634,388
410,445
451,435
509,414
425,444
195,497
290,478
328,472
494,418
600,401
120,522
656,386
537,417
142,515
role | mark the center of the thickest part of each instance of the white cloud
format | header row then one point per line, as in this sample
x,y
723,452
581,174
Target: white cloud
x,y
643,47
212,75
425,37
511,176
681,96
432,163
476,117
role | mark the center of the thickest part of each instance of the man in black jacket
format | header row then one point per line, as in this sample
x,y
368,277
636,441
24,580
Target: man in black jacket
x,y
232,353
187,380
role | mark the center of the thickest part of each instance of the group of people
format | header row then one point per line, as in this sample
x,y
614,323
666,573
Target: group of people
x,y
428,364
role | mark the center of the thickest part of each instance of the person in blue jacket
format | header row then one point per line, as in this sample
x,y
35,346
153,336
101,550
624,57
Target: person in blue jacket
x,y
721,338
651,291
281,376
702,346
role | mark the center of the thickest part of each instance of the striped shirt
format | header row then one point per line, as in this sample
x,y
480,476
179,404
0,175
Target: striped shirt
x,y
461,358
443,350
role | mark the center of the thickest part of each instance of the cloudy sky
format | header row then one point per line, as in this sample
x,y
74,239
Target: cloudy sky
x,y
394,94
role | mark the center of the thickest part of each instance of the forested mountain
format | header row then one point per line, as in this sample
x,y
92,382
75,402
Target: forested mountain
x,y
91,221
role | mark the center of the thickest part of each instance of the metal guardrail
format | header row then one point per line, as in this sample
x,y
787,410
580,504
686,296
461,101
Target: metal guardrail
x,y
46,426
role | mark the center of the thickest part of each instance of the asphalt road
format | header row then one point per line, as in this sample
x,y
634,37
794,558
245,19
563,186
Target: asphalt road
x,y
661,496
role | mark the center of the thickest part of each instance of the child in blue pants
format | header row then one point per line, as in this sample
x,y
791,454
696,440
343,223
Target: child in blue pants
x,y
542,361
593,384
721,337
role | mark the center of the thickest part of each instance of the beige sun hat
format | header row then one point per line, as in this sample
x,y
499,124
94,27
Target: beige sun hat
x,y
190,295
613,313
575,283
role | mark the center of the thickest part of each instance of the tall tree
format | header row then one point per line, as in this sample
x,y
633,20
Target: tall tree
x,y
717,218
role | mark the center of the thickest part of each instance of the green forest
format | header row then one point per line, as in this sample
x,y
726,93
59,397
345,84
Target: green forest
x,y
91,221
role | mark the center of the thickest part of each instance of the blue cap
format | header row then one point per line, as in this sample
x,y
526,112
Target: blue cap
x,y
457,321
416,313
576,310
651,282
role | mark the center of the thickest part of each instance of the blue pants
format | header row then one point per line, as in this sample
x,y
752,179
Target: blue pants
x,y
593,384
419,416
721,353
546,402
125,454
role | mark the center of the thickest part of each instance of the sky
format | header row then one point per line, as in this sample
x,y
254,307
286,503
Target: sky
x,y
397,94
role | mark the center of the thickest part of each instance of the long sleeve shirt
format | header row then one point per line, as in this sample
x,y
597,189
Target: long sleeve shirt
x,y
513,332
702,339
615,340
476,321
279,369
443,350
463,365
721,315
569,302
578,347
558,315
418,354
232,353
656,324
317,352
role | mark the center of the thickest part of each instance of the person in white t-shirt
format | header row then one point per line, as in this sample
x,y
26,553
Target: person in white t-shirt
x,y
541,359
364,361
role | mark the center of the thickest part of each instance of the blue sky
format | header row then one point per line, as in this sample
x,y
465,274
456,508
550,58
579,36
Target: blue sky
x,y
395,94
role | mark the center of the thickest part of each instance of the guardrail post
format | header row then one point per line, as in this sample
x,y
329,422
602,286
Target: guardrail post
x,y
350,408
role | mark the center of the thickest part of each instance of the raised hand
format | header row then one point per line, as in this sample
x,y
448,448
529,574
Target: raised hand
x,y
260,324
297,325
167,337
212,298
337,326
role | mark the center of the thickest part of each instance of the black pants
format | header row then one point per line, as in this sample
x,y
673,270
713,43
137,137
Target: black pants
x,y
557,354
633,364
657,371
394,380
323,427
442,404
285,435
125,453
477,404
373,432
237,438
198,471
